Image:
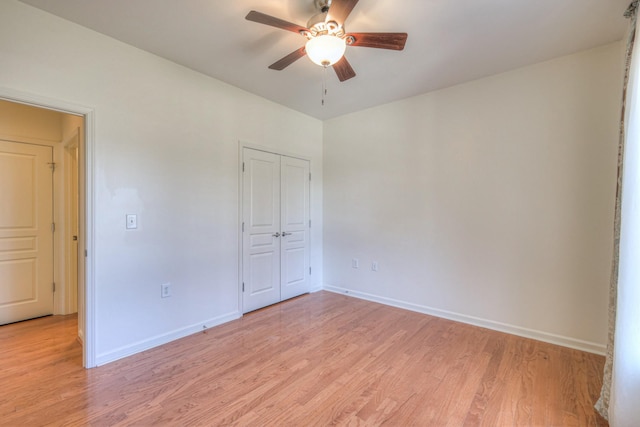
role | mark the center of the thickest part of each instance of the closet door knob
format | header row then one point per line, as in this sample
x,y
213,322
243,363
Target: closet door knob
x,y
277,234
284,233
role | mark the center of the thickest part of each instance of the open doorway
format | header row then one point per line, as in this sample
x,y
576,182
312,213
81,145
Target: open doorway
x,y
52,134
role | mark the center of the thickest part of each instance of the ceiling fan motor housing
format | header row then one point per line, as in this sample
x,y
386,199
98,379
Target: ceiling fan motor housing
x,y
318,25
322,5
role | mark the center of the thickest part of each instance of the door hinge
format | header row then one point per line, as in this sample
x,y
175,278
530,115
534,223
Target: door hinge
x,y
243,227
53,227
53,286
242,166
309,223
242,286
85,253
309,271
309,176
52,165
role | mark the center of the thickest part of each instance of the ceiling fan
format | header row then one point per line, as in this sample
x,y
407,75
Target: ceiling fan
x,y
327,37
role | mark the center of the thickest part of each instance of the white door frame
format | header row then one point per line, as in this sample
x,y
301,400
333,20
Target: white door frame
x,y
71,195
241,146
86,241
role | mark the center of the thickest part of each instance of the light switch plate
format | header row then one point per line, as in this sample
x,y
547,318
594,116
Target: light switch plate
x,y
132,221
165,290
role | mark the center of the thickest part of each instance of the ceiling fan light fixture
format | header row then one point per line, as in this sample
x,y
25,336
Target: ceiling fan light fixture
x,y
325,50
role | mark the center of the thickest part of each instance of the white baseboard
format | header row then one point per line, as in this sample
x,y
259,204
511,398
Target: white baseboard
x,y
158,340
577,344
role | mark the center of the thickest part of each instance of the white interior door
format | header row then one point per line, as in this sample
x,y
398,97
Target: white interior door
x,y
275,237
294,242
261,235
26,236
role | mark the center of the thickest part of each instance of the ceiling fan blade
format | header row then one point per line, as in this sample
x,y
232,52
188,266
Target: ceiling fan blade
x,y
393,41
340,10
343,69
261,18
288,60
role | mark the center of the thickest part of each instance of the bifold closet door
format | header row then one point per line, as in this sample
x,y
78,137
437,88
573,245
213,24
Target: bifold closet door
x,y
275,237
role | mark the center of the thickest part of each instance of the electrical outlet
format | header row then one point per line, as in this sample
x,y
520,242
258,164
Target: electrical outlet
x,y
132,221
355,263
165,290
374,266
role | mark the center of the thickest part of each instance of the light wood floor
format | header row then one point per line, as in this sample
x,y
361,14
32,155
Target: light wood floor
x,y
316,360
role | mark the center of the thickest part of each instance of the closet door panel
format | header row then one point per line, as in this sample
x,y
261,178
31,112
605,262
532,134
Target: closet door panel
x,y
261,250
295,227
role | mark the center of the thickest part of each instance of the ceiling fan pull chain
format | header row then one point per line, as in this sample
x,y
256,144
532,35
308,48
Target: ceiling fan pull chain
x,y
324,84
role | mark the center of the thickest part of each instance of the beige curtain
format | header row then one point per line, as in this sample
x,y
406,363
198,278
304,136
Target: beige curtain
x,y
603,403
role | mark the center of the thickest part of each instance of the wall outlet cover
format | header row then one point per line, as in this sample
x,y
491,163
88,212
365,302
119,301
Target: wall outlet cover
x,y
132,221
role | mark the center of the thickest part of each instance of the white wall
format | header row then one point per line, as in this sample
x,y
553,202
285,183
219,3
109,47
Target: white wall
x,y
490,202
166,148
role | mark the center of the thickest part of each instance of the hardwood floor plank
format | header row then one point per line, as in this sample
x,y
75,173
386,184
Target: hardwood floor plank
x,y
494,350
315,360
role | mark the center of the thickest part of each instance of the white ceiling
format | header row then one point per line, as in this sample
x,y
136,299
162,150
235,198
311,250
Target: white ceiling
x,y
450,42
